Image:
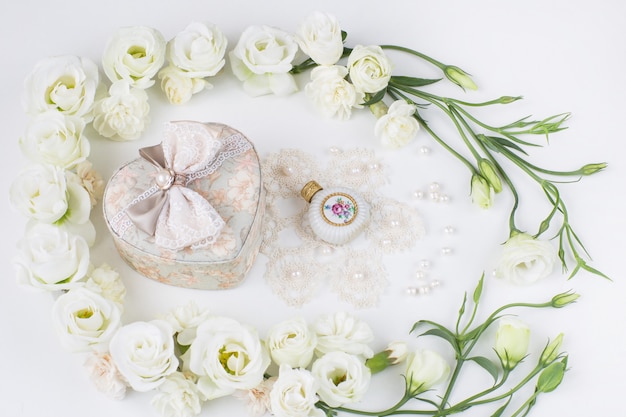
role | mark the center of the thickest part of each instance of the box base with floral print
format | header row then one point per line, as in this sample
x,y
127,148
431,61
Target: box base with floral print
x,y
236,192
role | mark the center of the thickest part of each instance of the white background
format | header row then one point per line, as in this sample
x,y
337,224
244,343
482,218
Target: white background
x,y
562,56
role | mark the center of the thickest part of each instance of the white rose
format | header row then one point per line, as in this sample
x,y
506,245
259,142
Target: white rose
x,y
292,342
198,50
331,93
512,339
398,127
51,258
425,369
343,332
262,59
84,320
319,36
525,259
369,68
343,378
66,84
52,138
40,193
178,397
294,394
227,356
185,319
107,282
123,114
144,353
178,86
135,55
105,375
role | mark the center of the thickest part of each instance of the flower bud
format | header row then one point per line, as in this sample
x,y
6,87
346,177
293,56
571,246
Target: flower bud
x,y
508,99
395,353
425,369
459,77
378,109
489,172
590,169
551,377
551,352
563,299
512,340
481,191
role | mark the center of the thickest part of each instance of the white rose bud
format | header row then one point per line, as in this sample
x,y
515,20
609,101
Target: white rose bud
x,y
331,93
294,394
135,55
398,127
144,353
512,339
525,259
481,192
319,36
425,369
343,332
369,68
66,84
124,114
343,378
292,342
262,59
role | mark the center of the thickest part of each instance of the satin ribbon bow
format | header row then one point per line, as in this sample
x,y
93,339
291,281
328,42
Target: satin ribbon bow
x,y
175,215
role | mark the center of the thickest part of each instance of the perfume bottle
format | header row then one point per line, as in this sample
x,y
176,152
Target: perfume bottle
x,y
337,214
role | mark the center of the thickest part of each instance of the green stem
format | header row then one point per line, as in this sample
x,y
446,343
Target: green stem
x,y
416,53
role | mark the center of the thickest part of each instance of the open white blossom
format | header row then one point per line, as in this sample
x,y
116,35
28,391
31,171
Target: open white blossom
x,y
227,356
425,369
66,84
397,127
178,396
262,59
85,320
135,55
124,114
257,399
343,378
52,138
343,332
51,258
292,342
369,68
144,353
294,394
178,86
319,36
525,259
331,93
105,376
198,50
185,319
40,193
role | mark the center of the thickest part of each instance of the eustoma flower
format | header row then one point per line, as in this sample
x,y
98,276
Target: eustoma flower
x,y
343,332
292,342
425,368
369,68
343,378
294,394
331,93
262,59
526,259
512,340
319,36
397,127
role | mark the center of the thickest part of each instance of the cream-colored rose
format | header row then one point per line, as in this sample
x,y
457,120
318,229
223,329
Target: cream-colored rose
x,y
178,396
343,332
135,55
144,353
331,93
512,339
85,320
525,259
342,378
185,319
124,114
105,281
40,193
227,356
105,376
51,258
262,59
425,369
294,394
198,50
319,36
292,342
66,84
398,127
178,86
55,139
369,68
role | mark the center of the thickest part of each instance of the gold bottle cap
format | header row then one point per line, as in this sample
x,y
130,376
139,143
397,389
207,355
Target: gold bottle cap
x,y
309,190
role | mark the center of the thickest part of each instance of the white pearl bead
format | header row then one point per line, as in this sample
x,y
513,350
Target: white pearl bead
x,y
418,194
296,274
446,251
374,166
394,223
164,179
420,274
424,264
434,195
434,284
355,170
288,171
449,230
411,290
424,150
434,186
358,275
444,198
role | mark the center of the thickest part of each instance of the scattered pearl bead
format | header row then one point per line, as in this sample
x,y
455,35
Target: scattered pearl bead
x,y
420,274
374,166
434,283
449,230
434,195
418,194
434,186
334,150
288,171
444,198
446,251
425,150
424,264
358,275
394,223
296,274
355,170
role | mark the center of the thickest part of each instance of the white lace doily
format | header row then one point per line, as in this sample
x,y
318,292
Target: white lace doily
x,y
298,263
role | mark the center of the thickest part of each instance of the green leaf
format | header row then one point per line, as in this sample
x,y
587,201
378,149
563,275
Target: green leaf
x,y
551,377
446,335
500,410
479,289
497,143
413,81
487,365
376,97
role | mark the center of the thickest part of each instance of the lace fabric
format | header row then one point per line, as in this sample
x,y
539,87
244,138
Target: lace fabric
x,y
298,263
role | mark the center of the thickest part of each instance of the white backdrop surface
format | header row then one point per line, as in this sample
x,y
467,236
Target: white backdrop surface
x,y
562,56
